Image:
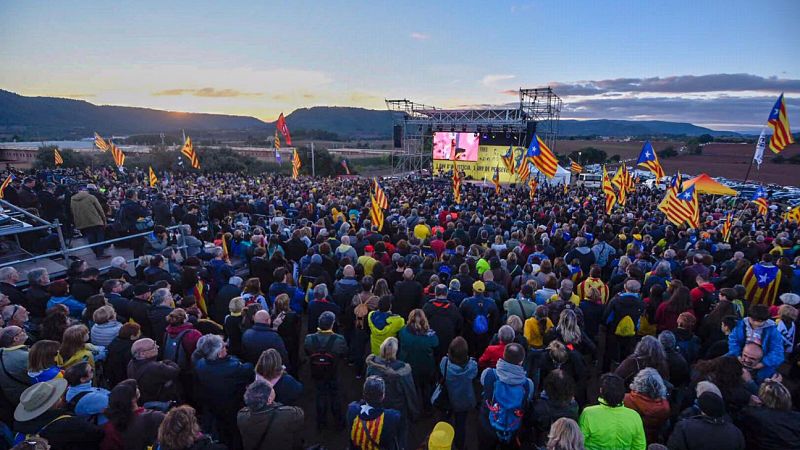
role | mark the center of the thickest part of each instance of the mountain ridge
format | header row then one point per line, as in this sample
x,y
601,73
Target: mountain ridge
x,y
35,118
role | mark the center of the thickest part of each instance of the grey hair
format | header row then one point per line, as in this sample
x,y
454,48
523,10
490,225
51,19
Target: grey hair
x,y
663,268
650,348
346,240
34,275
236,281
320,291
649,382
5,273
160,296
216,252
256,397
117,261
669,253
633,286
506,334
208,347
667,339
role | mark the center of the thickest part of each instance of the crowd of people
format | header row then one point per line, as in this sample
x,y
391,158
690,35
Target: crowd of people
x,y
497,322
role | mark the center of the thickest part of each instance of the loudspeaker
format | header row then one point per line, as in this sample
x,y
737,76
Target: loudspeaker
x,y
531,129
398,136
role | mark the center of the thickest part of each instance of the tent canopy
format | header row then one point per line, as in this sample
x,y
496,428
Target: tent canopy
x,y
704,184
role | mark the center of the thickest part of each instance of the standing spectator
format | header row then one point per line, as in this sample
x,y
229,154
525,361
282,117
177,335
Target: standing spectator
x,y
687,343
289,328
270,367
707,430
480,316
493,353
139,308
260,337
383,324
221,381
180,431
363,417
648,353
444,318
106,327
325,349
319,305
648,397
233,326
610,424
163,305
458,372
773,424
88,217
417,343
37,296
129,426
556,401
621,317
265,424
180,334
667,312
119,353
407,294
112,290
14,361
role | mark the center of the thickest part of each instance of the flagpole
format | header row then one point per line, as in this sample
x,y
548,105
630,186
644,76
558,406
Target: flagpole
x,y
313,166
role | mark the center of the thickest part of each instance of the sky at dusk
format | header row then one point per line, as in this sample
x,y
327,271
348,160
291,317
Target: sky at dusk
x,y
714,63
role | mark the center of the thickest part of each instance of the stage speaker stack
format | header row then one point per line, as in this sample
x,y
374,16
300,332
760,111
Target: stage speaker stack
x,y
398,136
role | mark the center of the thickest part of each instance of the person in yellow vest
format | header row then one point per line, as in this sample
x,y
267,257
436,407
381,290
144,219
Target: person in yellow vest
x,y
593,281
367,261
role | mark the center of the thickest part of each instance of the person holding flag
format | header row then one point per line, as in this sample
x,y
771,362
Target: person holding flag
x,y
375,213
542,157
608,190
761,282
620,181
496,180
153,178
793,215
57,157
760,199
727,227
779,122
649,160
119,157
5,184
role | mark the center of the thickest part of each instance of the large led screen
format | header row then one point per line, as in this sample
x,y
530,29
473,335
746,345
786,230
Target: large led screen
x,y
460,146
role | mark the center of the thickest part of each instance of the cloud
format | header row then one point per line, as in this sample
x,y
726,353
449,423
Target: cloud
x,y
417,36
724,112
491,80
206,92
721,82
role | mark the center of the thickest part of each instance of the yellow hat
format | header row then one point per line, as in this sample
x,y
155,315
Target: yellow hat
x,y
478,286
441,437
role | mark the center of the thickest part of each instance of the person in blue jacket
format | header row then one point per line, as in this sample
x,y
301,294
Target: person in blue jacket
x,y
758,328
59,295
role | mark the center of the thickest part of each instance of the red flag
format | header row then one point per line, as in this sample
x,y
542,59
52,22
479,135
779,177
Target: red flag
x,y
284,129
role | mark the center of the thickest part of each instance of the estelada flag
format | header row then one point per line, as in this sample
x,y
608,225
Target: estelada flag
x,y
188,151
100,143
779,122
153,178
508,159
496,180
761,283
649,160
284,129
542,157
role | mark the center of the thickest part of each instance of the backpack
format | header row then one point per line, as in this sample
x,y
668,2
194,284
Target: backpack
x,y
72,404
361,311
20,438
174,351
481,323
602,256
507,409
625,327
323,361
706,303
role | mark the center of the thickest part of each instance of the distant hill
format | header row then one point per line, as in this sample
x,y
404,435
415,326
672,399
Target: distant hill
x,y
604,127
34,118
50,117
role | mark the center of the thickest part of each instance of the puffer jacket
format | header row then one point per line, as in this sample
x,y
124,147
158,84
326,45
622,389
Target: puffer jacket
x,y
86,211
400,391
459,384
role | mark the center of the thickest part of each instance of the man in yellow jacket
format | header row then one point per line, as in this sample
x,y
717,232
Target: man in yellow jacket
x,y
383,324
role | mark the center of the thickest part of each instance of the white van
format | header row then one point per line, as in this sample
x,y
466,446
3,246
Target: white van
x,y
591,180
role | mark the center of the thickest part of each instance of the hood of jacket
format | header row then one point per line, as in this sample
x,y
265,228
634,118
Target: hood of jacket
x,y
173,330
390,368
379,319
510,373
456,371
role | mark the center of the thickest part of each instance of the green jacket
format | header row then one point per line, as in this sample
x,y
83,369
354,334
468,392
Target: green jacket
x,y
417,351
382,326
605,427
86,211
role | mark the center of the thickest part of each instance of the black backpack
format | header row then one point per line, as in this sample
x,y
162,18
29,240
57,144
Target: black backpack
x,y
706,303
174,351
323,361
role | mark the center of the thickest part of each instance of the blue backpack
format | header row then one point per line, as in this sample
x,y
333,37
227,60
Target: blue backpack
x,y
481,323
507,408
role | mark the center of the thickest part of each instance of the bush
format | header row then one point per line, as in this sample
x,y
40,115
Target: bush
x,y
668,152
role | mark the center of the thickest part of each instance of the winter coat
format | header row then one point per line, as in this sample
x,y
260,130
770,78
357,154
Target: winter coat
x,y
654,413
491,355
631,365
221,383
459,383
156,379
75,307
117,359
407,296
766,428
103,334
86,211
157,317
15,362
36,299
607,427
261,337
506,373
545,412
141,431
771,343
400,391
625,304
445,319
704,433
67,433
189,340
417,350
285,431
382,325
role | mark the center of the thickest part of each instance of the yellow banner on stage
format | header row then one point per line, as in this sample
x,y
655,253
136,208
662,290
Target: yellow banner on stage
x,y
484,167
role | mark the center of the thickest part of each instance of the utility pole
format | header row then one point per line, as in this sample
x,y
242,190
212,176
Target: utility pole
x,y
313,166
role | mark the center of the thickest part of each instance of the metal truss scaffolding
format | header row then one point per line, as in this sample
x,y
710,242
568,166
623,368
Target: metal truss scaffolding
x,y
418,122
